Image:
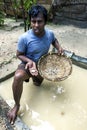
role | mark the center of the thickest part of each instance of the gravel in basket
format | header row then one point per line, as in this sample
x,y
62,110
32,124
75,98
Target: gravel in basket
x,y
55,67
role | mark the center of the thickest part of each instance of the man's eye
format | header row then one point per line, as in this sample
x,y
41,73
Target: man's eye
x,y
39,21
33,21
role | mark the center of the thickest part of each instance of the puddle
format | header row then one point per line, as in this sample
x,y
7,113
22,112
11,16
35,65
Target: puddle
x,y
53,105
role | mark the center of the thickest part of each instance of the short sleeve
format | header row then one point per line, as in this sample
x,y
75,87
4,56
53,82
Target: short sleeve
x,y
51,36
21,46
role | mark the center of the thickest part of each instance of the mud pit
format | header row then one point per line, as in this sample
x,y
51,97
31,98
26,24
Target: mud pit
x,y
70,37
53,105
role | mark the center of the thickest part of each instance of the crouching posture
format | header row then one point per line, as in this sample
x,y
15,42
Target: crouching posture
x,y
31,46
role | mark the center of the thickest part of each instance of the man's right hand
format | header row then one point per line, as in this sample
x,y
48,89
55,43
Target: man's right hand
x,y
32,68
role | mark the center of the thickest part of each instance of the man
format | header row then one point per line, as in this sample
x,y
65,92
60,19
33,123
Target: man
x,y
31,46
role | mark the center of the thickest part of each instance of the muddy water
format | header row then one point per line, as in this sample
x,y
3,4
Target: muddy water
x,y
53,106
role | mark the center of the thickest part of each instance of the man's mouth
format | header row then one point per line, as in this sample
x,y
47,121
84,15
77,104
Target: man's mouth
x,y
36,30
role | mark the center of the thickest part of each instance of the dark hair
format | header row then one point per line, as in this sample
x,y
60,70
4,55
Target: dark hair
x,y
36,9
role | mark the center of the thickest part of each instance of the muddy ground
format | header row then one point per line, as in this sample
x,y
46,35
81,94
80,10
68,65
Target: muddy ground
x,y
71,38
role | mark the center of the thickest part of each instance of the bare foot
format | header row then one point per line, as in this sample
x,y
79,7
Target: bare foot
x,y
12,114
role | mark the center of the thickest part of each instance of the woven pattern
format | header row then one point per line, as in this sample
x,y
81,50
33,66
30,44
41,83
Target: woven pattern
x,y
54,67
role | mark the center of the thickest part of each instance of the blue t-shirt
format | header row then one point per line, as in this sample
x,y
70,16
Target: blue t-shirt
x,y
34,47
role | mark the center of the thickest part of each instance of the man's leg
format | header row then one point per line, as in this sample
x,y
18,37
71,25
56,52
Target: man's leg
x,y
17,87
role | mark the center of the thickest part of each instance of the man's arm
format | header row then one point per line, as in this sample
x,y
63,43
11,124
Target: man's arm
x,y
31,65
57,46
22,57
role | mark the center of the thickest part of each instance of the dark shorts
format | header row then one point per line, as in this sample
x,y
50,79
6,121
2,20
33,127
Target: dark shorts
x,y
37,80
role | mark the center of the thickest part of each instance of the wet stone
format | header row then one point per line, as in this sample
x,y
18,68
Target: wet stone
x,y
4,122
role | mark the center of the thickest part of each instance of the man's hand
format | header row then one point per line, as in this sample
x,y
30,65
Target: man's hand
x,y
58,47
60,51
32,68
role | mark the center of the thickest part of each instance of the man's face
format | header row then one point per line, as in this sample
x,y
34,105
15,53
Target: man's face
x,y
37,24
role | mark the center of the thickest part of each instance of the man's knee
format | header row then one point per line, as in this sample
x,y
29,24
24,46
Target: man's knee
x,y
18,76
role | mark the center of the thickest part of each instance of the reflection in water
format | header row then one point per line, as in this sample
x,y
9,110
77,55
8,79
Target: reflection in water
x,y
53,105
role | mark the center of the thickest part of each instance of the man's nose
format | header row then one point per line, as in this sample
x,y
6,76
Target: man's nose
x,y
36,24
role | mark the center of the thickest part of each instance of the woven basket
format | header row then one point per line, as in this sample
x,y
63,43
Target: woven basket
x,y
54,67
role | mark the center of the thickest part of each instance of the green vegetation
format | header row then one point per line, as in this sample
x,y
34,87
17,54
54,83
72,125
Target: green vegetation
x,y
21,7
25,5
1,14
1,18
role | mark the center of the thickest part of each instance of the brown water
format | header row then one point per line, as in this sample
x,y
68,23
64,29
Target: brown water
x,y
53,106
